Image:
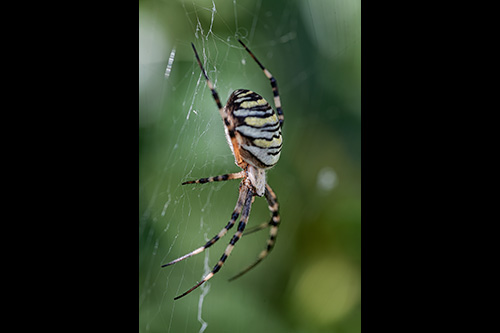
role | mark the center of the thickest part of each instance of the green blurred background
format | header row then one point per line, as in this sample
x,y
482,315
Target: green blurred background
x,y
311,282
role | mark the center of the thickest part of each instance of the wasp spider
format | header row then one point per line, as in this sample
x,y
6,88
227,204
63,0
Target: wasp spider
x,y
253,131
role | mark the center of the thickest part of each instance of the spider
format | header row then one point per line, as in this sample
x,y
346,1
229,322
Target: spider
x,y
253,132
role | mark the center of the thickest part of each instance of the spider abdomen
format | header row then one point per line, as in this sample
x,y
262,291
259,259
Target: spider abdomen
x,y
257,128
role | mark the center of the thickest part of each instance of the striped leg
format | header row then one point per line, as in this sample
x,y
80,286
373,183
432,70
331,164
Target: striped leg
x,y
228,176
273,232
236,213
248,194
274,85
227,123
209,83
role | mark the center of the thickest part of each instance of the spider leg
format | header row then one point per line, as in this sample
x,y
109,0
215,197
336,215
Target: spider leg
x,y
248,194
274,223
274,85
227,123
236,213
209,83
257,228
228,176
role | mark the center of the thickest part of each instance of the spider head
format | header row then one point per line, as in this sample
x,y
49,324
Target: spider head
x,y
257,178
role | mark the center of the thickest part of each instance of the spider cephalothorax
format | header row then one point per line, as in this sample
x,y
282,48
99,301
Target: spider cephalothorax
x,y
253,131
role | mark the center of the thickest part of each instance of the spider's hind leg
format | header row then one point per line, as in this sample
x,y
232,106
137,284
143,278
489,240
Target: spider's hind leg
x,y
274,85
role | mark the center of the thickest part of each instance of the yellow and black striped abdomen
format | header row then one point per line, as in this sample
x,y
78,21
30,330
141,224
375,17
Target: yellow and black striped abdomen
x,y
257,128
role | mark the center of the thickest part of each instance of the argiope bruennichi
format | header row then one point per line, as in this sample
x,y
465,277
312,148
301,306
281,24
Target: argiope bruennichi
x,y
253,131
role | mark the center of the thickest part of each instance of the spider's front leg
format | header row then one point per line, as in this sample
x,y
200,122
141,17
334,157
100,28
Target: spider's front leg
x,y
273,205
247,193
230,224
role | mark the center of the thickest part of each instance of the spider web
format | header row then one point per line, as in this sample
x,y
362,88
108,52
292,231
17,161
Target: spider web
x,y
182,138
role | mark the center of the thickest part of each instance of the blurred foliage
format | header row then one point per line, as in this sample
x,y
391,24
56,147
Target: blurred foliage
x,y
311,282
